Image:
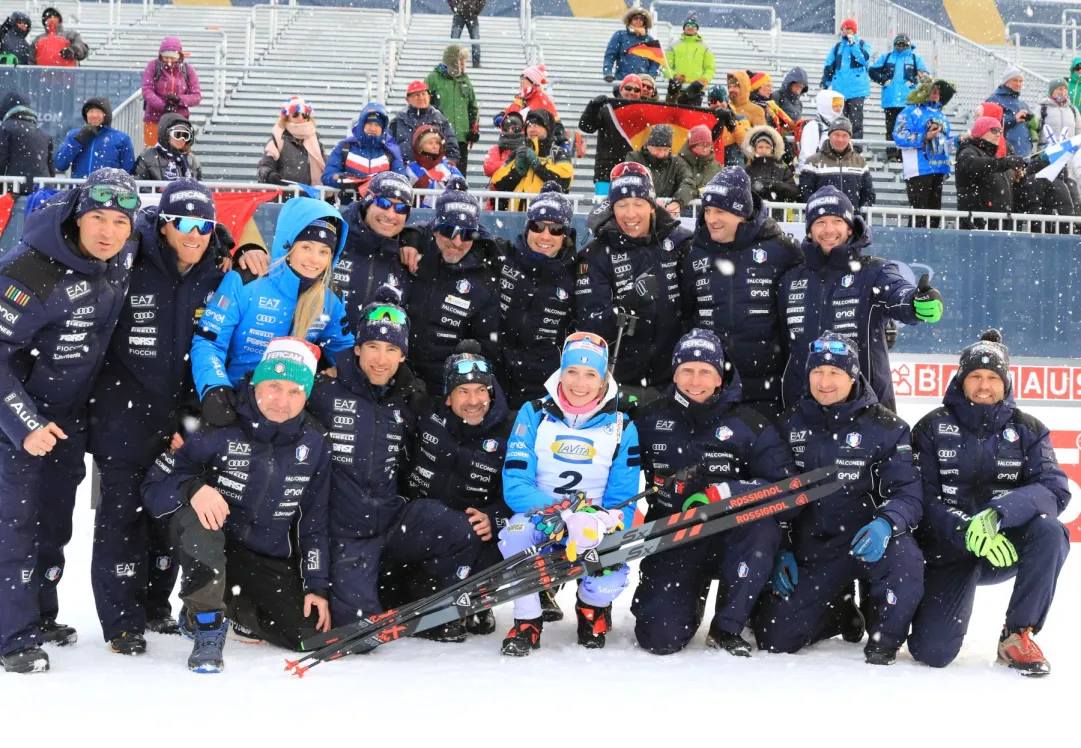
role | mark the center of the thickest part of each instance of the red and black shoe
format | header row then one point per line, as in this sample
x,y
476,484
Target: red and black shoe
x,y
1017,650
593,624
523,637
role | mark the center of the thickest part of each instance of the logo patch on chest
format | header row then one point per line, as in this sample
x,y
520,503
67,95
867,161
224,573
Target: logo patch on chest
x,y
573,449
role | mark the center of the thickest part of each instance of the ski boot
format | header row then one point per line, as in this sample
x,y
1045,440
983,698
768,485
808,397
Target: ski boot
x,y
733,644
550,609
244,635
128,644
59,634
481,624
209,631
523,637
878,654
29,660
1017,650
593,624
448,633
165,625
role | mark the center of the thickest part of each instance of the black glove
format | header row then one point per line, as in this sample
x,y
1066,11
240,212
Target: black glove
x,y
609,78
1013,162
725,121
642,293
86,135
224,238
219,406
67,53
172,99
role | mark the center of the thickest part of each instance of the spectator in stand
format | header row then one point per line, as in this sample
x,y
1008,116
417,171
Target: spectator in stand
x,y
531,95
761,94
838,165
368,151
618,62
649,87
1075,82
511,135
788,95
733,128
771,179
923,134
452,94
697,155
169,85
1020,124
739,97
612,147
466,14
294,152
171,158
897,72
671,177
25,149
96,145
994,111
845,71
984,181
57,46
419,111
690,61
429,169
13,33
1060,120
829,105
535,162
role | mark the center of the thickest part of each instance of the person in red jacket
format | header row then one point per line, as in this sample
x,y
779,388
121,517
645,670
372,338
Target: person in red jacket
x,y
511,135
57,46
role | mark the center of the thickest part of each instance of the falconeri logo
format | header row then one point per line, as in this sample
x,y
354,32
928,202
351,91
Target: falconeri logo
x,y
574,449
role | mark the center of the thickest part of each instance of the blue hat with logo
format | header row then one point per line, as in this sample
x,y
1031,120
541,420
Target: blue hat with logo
x,y
830,201
585,349
834,349
700,346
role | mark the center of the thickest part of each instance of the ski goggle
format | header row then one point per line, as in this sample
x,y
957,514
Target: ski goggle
x,y
101,193
180,133
591,337
184,224
385,203
383,313
836,347
449,231
467,365
539,227
630,167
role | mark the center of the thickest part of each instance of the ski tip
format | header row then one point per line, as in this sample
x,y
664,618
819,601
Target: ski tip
x,y
290,664
299,672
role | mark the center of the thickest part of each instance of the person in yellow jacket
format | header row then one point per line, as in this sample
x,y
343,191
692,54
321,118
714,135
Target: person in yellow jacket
x,y
739,95
533,163
734,128
761,94
690,60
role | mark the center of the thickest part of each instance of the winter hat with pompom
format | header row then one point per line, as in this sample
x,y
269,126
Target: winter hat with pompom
x,y
290,359
383,319
536,74
456,206
986,353
834,349
551,205
982,125
467,366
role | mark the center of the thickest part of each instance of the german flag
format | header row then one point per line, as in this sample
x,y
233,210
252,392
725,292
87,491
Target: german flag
x,y
636,118
651,50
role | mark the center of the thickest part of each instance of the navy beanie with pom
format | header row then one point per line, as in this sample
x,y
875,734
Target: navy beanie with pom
x,y
551,205
456,206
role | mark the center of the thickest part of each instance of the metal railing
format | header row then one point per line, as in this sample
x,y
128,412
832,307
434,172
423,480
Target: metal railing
x,y
12,184
1068,29
774,20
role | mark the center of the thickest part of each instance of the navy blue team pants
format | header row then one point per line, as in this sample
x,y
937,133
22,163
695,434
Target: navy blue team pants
x,y
37,500
132,570
895,586
426,534
940,625
665,604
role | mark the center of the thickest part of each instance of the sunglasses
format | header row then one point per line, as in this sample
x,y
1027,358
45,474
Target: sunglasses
x,y
468,365
184,224
385,203
836,347
513,127
632,89
995,131
383,313
184,135
449,231
630,167
647,87
539,227
101,193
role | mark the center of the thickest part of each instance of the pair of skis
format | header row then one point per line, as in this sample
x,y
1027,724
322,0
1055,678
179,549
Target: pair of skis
x,y
535,569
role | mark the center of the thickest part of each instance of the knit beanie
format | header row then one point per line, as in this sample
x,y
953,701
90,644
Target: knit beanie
x,y
699,346
698,135
840,123
467,366
766,135
829,201
536,74
551,205
982,125
730,190
122,187
583,349
1056,83
322,230
187,197
834,349
986,353
456,206
632,79
718,93
391,185
660,136
691,19
383,319
290,359
850,23
759,79
631,179
902,38
297,105
1011,73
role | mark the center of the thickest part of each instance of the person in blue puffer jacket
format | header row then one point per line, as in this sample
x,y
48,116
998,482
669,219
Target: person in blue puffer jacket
x,y
845,71
369,150
923,133
294,298
97,145
617,63
897,72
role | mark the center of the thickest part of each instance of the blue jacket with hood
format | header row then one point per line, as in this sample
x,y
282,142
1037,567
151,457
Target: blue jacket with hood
x,y
245,314
365,155
58,309
907,66
110,148
974,456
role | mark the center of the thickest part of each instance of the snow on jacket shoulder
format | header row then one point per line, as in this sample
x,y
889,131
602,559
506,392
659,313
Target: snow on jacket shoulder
x,y
920,156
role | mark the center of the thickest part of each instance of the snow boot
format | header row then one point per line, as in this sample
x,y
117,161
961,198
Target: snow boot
x,y
523,637
550,609
481,624
450,633
58,633
29,660
1017,650
165,625
128,644
733,644
878,654
209,631
593,624
245,635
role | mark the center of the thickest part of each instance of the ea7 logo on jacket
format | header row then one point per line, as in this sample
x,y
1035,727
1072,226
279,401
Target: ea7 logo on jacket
x,y
239,448
314,560
573,449
948,429
798,284
344,405
142,301
267,302
665,425
78,290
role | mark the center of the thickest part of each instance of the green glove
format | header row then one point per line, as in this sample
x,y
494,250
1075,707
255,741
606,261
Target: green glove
x,y
1000,552
982,529
695,500
927,302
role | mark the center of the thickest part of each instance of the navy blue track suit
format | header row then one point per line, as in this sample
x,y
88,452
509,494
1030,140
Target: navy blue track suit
x,y
536,306
368,261
607,269
972,457
872,450
726,441
58,309
370,522
140,399
740,302
826,293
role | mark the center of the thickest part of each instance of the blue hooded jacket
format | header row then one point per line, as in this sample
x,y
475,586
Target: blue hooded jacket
x,y
1017,133
111,147
845,69
921,157
365,154
244,316
906,68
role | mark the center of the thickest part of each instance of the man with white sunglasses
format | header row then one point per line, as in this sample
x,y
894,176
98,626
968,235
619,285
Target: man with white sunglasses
x,y
143,397
171,158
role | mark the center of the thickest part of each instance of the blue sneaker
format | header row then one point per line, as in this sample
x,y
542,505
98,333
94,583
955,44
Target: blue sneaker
x,y
209,630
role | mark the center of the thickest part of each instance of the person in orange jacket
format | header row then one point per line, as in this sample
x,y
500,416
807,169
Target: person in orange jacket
x,y
733,128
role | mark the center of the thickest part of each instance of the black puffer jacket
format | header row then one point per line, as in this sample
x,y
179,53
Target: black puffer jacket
x,y
25,149
13,41
612,147
984,182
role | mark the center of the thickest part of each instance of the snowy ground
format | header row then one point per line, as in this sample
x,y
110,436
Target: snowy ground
x,y
416,691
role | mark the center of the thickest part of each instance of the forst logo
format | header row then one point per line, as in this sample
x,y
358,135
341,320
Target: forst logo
x,y
574,449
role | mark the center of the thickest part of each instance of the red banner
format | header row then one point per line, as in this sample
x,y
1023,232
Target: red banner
x,y
7,204
1031,382
235,209
636,118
